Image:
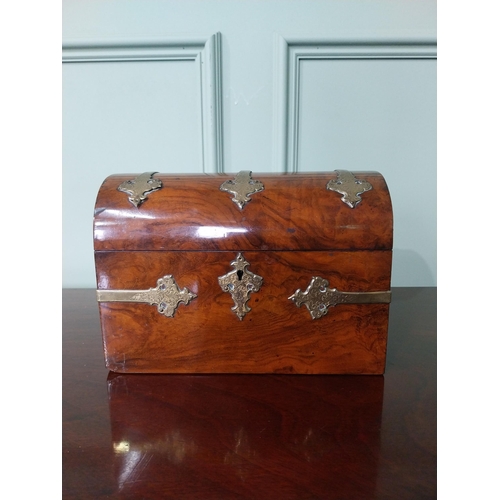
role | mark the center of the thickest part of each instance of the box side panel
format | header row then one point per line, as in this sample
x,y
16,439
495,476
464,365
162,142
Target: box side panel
x,y
276,336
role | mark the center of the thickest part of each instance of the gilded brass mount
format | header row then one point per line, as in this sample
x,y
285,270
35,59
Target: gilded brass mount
x,y
242,187
240,283
166,296
349,187
140,187
318,297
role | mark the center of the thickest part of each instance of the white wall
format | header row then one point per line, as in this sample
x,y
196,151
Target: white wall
x,y
207,86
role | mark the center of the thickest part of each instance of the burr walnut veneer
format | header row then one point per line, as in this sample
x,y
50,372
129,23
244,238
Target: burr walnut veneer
x,y
240,268
269,437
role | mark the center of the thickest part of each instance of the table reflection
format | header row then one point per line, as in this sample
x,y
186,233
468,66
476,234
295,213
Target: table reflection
x,y
220,436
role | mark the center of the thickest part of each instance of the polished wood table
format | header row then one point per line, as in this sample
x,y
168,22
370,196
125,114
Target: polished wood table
x,y
251,436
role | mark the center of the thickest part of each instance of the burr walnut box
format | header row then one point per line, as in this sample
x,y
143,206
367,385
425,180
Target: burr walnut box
x,y
244,273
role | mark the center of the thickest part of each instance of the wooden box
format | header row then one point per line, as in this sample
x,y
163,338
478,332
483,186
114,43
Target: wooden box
x,y
245,273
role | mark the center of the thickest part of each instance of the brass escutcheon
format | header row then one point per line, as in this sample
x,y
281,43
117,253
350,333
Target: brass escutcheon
x,y
240,283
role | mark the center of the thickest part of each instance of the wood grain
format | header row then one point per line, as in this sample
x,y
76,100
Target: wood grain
x,y
294,212
251,436
261,435
292,231
274,337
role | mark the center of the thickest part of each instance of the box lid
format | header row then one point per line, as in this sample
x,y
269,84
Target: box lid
x,y
290,212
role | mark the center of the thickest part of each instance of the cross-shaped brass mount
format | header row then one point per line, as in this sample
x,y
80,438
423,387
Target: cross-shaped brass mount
x,y
318,297
140,187
242,187
240,283
349,187
166,296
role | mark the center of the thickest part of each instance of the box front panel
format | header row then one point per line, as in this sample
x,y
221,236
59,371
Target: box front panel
x,y
275,336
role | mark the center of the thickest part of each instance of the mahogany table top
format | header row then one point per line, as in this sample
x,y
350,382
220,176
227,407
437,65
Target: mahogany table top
x,y
251,436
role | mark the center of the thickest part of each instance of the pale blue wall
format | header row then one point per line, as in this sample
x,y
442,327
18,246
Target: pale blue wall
x,y
370,113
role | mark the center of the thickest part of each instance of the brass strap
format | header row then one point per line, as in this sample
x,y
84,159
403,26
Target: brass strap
x,y
166,296
364,297
318,297
141,296
240,283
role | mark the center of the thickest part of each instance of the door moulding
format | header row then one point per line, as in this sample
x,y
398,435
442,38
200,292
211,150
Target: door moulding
x,y
287,56
204,51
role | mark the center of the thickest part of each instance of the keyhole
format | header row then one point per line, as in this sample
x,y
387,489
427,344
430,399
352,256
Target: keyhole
x,y
240,274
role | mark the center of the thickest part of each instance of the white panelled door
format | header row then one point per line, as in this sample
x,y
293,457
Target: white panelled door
x,y
222,85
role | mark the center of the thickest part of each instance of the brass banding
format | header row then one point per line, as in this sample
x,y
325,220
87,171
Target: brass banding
x,y
318,297
166,296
